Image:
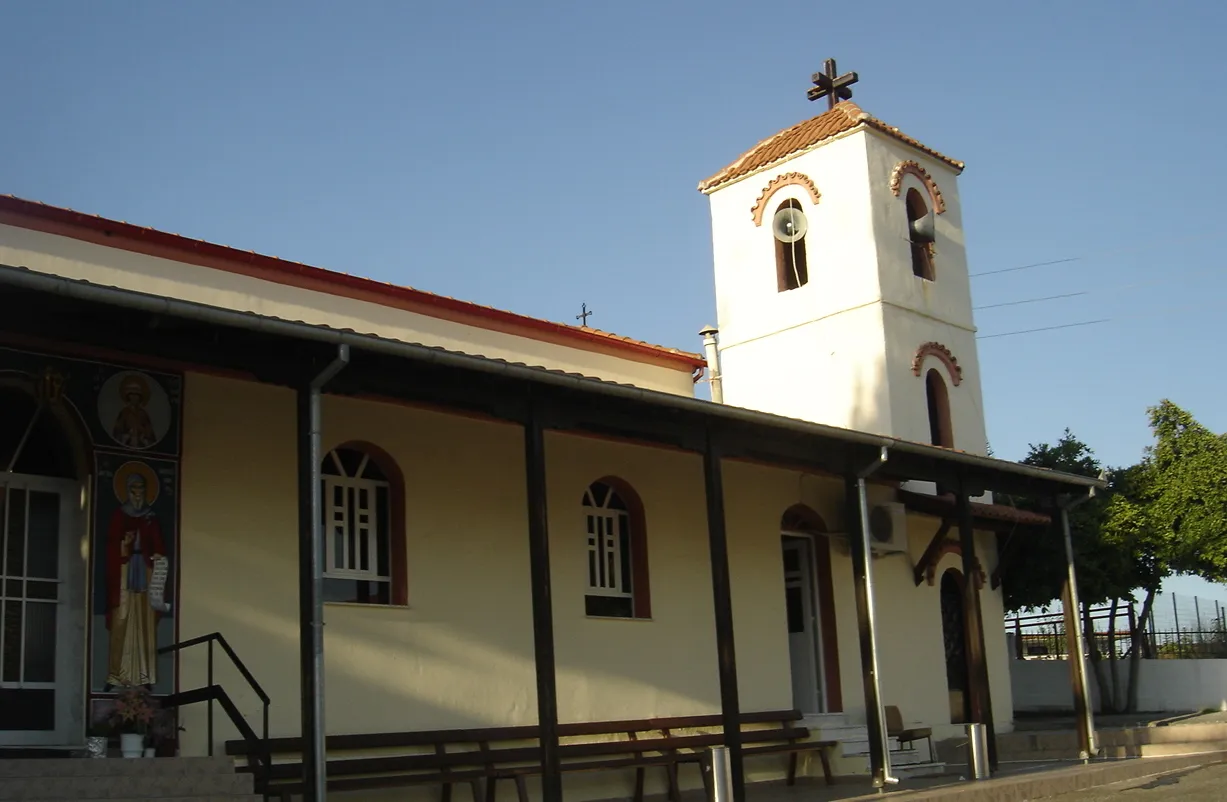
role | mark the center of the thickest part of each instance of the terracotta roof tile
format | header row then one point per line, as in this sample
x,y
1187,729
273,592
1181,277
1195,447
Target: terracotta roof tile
x,y
277,269
845,117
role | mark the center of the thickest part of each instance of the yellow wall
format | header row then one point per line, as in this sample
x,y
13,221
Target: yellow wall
x,y
460,653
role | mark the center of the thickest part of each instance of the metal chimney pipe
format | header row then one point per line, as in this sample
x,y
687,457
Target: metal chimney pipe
x,y
713,362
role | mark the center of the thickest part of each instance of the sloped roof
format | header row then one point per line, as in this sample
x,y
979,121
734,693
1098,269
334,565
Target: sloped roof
x,y
81,225
845,117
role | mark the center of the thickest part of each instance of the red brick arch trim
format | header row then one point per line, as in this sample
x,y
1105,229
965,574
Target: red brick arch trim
x,y
912,168
943,355
779,182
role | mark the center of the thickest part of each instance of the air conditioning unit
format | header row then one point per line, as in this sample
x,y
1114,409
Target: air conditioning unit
x,y
888,528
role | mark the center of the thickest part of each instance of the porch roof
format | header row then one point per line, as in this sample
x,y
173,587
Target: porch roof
x,y
289,353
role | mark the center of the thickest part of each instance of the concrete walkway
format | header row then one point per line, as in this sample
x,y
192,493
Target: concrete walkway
x,y
1202,784
1014,784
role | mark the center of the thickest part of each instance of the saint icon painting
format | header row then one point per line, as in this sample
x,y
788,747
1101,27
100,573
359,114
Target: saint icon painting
x,y
136,578
134,410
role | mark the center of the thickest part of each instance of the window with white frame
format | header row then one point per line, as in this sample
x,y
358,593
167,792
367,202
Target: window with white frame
x,y
357,550
610,568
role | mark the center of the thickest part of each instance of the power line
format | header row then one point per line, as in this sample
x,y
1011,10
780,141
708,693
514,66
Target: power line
x,y
1026,267
1144,315
1105,252
1034,300
1045,328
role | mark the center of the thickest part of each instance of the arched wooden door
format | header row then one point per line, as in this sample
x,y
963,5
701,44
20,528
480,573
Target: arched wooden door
x,y
954,634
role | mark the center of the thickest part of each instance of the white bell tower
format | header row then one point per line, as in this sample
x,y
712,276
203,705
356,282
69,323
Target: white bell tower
x,y
842,284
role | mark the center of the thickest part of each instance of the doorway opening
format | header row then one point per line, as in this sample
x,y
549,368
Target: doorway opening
x,y
42,574
954,633
810,610
804,645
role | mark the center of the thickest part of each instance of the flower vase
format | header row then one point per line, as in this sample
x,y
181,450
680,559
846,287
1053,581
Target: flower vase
x,y
131,744
96,746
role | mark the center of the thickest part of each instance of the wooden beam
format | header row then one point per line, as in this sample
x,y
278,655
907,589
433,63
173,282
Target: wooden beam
x,y
542,606
981,699
726,651
929,558
1003,557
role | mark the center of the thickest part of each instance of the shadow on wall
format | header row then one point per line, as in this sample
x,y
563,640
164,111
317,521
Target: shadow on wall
x,y
870,410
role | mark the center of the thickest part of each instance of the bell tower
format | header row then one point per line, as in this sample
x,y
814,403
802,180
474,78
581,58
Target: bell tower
x,y
841,275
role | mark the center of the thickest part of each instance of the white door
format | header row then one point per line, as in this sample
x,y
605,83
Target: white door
x,y
803,641
42,612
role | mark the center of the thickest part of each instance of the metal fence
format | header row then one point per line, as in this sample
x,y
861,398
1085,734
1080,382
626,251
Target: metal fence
x,y
1179,627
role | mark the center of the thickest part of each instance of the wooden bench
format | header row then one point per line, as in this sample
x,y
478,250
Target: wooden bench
x,y
474,756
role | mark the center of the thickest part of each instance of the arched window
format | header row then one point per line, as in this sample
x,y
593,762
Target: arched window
x,y
617,565
941,433
922,246
364,536
791,270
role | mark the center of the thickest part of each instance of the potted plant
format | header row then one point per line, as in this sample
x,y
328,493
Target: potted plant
x,y
165,732
134,711
96,739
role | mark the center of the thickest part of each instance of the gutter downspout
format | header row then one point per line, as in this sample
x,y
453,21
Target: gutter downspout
x,y
1088,748
311,577
878,712
713,363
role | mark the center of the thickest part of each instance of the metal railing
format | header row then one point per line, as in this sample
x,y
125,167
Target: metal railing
x,y
1179,627
212,692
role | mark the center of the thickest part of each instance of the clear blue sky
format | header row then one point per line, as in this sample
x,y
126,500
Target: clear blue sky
x,y
535,155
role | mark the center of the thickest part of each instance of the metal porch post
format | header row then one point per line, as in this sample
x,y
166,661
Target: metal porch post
x,y
543,605
1076,645
981,698
730,705
311,579
856,518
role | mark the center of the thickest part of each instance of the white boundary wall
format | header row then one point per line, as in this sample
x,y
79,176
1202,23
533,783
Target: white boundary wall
x,y
1164,685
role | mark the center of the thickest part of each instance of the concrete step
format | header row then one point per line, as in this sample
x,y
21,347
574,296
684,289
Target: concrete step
x,y
148,798
135,786
45,779
905,772
117,766
1174,740
1166,749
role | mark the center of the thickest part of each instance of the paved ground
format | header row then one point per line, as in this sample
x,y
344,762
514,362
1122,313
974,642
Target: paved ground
x,y
1206,784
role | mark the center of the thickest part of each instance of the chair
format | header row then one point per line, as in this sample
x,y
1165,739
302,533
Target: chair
x,y
895,729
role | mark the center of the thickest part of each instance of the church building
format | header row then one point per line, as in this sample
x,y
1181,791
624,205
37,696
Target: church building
x,y
360,509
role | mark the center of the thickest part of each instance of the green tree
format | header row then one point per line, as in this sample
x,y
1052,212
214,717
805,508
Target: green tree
x,y
1166,515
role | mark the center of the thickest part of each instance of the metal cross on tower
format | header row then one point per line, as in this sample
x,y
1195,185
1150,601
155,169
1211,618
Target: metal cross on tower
x,y
582,317
833,88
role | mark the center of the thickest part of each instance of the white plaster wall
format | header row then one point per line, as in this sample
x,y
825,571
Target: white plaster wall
x,y
64,256
829,371
906,331
839,349
1164,686
816,352
917,311
840,249
948,297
